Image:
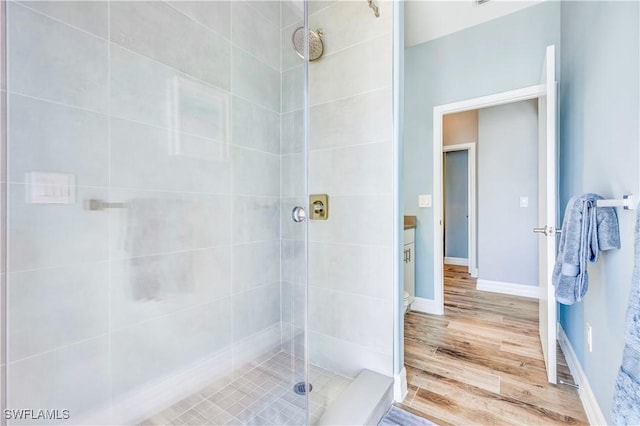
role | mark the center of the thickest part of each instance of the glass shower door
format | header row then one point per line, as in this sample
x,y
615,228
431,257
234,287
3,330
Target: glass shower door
x,y
154,274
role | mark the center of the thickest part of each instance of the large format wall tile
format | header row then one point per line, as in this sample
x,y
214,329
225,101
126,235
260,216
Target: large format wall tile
x,y
292,175
151,286
52,308
157,30
255,34
292,12
255,219
256,309
293,89
294,261
262,134
75,378
152,222
50,60
270,9
255,172
346,358
172,342
357,269
292,129
50,235
356,219
346,23
90,16
147,157
364,169
44,136
255,264
215,15
293,303
255,81
147,91
353,318
360,69
355,120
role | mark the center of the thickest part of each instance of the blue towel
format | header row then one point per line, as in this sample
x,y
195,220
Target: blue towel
x,y
626,398
586,230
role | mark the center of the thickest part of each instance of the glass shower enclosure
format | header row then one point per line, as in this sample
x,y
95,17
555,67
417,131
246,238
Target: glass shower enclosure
x,y
153,273
152,155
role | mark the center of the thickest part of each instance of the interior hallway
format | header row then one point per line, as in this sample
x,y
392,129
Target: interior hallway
x,y
481,362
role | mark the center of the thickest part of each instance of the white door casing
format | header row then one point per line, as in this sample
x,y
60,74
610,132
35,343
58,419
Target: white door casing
x,y
523,94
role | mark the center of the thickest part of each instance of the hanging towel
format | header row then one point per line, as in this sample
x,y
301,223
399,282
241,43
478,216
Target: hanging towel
x,y
155,226
586,230
626,397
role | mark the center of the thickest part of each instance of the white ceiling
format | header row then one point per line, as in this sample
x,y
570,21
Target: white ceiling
x,y
426,20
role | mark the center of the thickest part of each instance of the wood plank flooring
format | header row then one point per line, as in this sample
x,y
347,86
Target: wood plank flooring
x,y
481,363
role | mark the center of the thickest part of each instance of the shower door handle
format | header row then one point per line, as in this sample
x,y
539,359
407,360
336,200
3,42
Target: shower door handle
x,y
298,214
546,230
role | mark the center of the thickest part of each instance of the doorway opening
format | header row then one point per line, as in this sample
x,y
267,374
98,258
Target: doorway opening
x,y
545,94
459,204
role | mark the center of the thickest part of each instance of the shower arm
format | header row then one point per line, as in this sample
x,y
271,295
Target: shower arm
x,y
374,6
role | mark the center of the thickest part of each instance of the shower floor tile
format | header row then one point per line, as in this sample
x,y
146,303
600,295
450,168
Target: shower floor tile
x,y
260,395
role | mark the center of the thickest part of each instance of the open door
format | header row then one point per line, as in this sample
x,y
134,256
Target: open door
x,y
547,195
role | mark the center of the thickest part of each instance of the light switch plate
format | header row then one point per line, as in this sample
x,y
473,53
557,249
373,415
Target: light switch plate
x,y
51,188
424,200
524,201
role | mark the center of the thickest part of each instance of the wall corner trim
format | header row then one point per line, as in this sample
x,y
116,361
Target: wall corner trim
x,y
427,306
509,288
589,401
400,387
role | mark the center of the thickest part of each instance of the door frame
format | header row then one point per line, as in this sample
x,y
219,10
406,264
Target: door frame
x,y
471,202
439,111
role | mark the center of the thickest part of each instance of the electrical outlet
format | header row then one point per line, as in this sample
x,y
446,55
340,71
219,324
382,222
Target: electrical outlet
x,y
589,332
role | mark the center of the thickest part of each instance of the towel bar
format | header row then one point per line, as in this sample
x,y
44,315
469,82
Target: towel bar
x,y
101,205
626,202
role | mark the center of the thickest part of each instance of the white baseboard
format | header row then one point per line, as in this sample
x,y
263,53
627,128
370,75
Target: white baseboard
x,y
589,401
509,288
458,261
400,388
426,306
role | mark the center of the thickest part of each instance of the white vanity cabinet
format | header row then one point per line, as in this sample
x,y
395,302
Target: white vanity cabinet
x,y
409,267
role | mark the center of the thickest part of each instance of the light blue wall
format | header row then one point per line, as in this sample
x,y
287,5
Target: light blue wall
x,y
456,206
504,54
599,152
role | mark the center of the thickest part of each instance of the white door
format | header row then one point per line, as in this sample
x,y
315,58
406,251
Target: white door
x,y
547,194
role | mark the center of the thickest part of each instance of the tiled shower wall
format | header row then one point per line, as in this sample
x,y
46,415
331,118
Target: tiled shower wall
x,y
351,159
171,112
